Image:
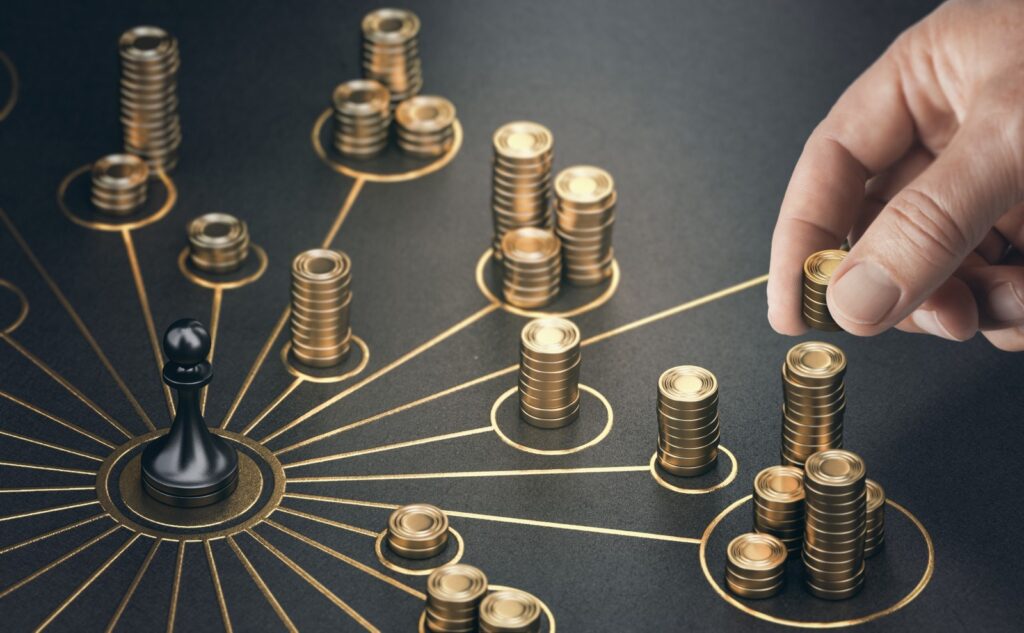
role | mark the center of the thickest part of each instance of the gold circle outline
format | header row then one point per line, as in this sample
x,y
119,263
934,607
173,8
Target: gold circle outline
x,y
560,451
326,380
171,193
600,300
369,176
23,313
15,86
695,491
204,282
379,550
907,599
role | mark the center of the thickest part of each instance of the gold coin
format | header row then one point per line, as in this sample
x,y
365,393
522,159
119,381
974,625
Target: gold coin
x,y
818,268
834,469
757,553
876,496
146,44
550,337
361,97
523,141
456,585
780,485
390,26
815,362
509,609
425,114
120,171
687,383
584,184
530,245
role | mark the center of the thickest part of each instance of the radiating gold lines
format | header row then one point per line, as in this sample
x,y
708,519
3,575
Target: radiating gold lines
x,y
325,521
264,589
471,473
273,405
56,447
172,612
47,489
69,506
218,299
132,587
60,530
54,469
42,570
86,333
350,200
46,414
216,586
388,447
313,582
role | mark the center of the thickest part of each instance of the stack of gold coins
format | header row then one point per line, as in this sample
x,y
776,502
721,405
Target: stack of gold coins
x,y
218,242
814,396
532,265
835,511
549,373
454,593
321,298
875,535
362,118
426,125
391,51
509,611
818,269
755,565
521,178
119,183
149,95
779,505
688,426
418,531
585,213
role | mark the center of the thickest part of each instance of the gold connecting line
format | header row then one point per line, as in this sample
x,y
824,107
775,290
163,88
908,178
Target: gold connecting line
x,y
336,524
54,418
172,611
53,469
218,299
46,535
59,561
268,595
215,577
273,405
50,445
466,474
50,510
389,447
47,489
132,587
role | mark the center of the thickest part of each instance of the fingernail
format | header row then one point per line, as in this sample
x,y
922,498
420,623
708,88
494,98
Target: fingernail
x,y
1005,303
928,320
865,294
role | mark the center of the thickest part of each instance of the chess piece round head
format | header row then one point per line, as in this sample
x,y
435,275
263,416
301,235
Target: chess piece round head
x,y
187,342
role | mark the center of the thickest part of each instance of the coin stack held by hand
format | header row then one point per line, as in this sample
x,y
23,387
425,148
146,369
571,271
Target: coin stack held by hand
x,y
585,214
814,395
875,536
417,531
454,593
521,178
321,298
509,611
755,565
425,125
779,505
688,425
549,373
532,267
362,118
119,184
391,52
149,95
818,269
218,243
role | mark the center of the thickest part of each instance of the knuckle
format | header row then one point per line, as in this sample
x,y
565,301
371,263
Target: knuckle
x,y
931,230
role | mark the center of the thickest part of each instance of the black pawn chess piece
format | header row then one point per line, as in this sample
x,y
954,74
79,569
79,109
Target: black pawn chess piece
x,y
189,467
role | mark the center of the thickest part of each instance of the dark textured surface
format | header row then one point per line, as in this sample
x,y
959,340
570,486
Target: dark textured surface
x,y
698,109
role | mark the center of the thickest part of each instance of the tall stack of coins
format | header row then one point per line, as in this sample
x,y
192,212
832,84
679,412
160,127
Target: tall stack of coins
x,y
426,125
779,505
532,266
688,426
417,531
521,178
835,509
755,565
585,209
549,373
509,611
218,243
814,400
321,298
875,535
119,183
149,95
454,593
362,118
391,51
818,269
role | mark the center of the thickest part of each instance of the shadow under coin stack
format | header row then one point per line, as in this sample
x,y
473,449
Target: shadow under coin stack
x,y
425,125
818,269
874,538
218,243
835,510
688,424
321,298
814,395
549,373
119,184
585,214
532,267
521,178
755,565
391,52
362,118
509,611
149,95
779,505
454,593
417,531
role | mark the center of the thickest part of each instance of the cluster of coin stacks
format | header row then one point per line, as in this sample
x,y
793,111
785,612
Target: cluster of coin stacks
x,y
814,395
149,95
454,593
425,125
779,505
417,531
119,183
874,537
549,373
532,267
391,51
818,269
688,425
755,565
585,213
835,511
321,298
218,243
509,611
521,178
362,118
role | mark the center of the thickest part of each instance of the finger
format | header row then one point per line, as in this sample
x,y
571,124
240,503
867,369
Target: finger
x,y
999,291
1008,340
884,186
1011,226
950,313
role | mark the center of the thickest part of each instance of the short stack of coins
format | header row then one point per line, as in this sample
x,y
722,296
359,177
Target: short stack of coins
x,y
454,593
549,373
321,298
814,395
119,183
835,512
688,424
391,52
218,243
362,118
149,95
521,178
818,269
875,536
417,531
779,505
509,611
755,565
425,125
532,267
585,214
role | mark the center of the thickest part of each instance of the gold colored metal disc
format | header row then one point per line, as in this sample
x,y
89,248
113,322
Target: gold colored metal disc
x,y
523,140
757,552
146,43
390,26
361,97
815,362
818,268
321,264
834,468
425,113
417,525
687,383
530,245
780,485
120,171
584,184
876,495
509,609
455,585
550,337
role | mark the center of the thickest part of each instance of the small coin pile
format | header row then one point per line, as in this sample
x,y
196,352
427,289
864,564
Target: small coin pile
x,y
425,125
818,269
454,593
218,243
321,298
779,505
875,535
814,395
509,611
391,52
119,183
362,118
688,423
585,214
532,267
521,178
549,373
756,565
835,511
149,95
417,531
